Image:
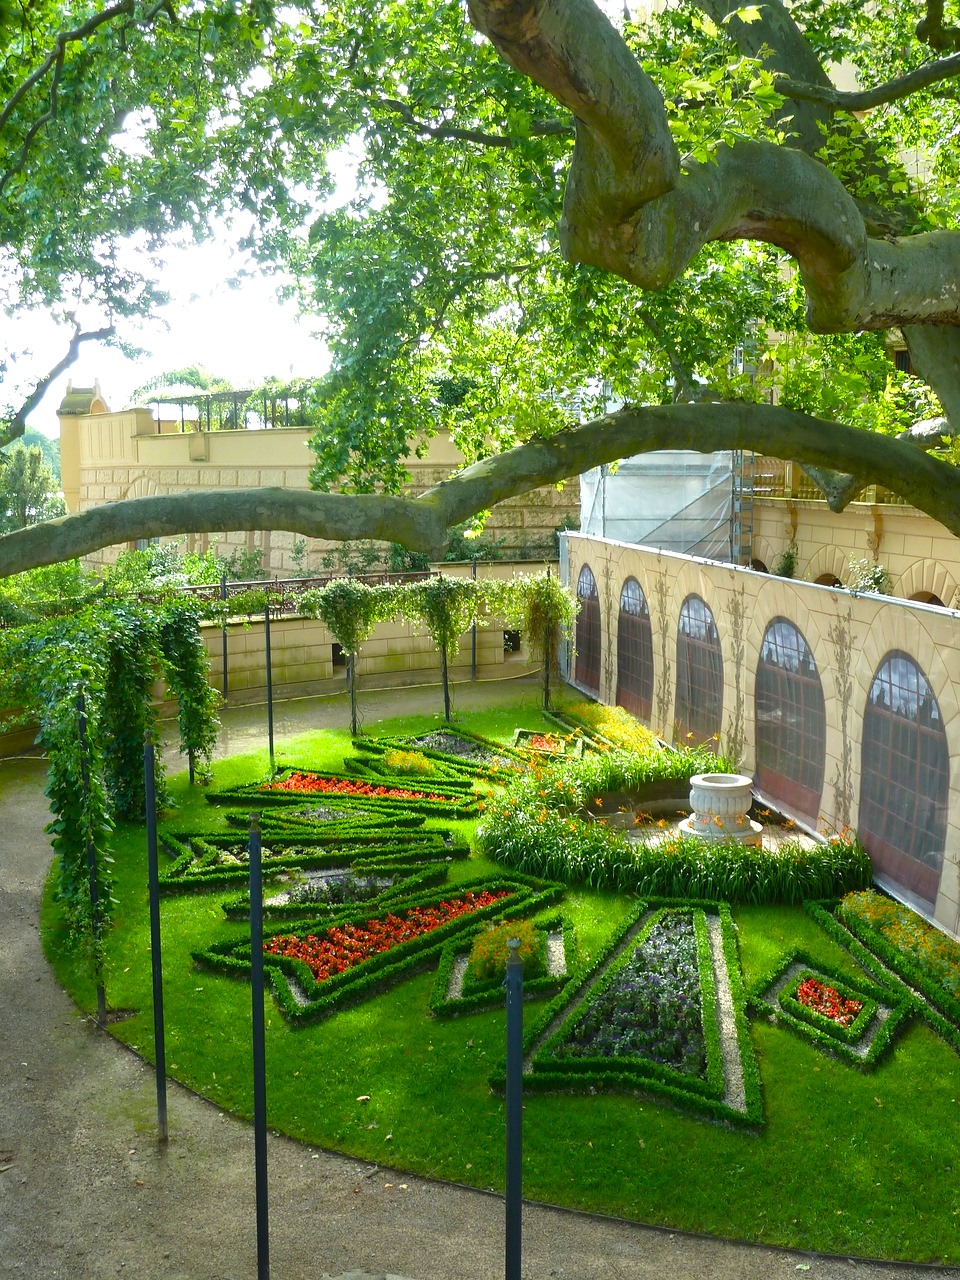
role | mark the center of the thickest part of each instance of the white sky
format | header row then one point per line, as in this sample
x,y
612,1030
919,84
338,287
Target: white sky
x,y
244,334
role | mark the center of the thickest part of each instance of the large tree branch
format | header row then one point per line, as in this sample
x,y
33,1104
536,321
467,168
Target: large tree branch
x,y
648,228
865,99
932,31
421,523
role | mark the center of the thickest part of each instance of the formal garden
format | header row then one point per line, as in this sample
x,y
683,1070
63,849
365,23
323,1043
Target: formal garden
x,y
748,1042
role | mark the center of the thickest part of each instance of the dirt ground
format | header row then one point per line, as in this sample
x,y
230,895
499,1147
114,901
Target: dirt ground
x,y
87,1191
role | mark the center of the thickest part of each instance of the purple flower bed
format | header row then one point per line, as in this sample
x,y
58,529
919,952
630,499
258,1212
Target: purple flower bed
x,y
652,1008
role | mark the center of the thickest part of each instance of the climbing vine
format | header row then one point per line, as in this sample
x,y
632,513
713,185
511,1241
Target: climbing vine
x,y
543,608
185,667
446,607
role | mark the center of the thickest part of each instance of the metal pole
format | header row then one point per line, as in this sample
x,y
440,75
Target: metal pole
x,y
266,636
153,879
259,1051
473,631
514,1100
91,865
223,597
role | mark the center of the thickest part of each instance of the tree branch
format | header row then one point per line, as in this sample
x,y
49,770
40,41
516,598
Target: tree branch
x,y
16,426
864,99
421,523
931,30
648,228
444,132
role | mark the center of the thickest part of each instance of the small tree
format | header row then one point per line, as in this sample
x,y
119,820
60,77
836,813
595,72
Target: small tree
x,y
446,607
28,489
543,608
350,610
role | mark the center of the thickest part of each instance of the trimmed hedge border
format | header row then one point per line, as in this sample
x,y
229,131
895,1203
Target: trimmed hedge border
x,y
456,802
829,1040
360,852
456,768
379,971
492,995
790,1003
703,1097
421,876
904,965
884,965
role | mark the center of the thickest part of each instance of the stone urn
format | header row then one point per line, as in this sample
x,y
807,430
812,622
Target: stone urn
x,y
720,803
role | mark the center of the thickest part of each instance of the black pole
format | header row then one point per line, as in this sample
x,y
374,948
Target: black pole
x,y
547,657
153,879
352,689
514,1100
266,636
445,680
223,597
91,867
473,631
259,1051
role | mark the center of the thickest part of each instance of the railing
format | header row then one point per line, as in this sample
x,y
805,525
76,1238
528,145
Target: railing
x,y
777,479
230,411
284,593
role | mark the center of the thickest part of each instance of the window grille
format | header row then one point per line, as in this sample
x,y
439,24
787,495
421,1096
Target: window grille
x,y
791,721
634,652
587,668
699,701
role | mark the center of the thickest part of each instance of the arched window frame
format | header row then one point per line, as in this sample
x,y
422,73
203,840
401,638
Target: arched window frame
x,y
698,706
589,632
634,652
904,778
790,719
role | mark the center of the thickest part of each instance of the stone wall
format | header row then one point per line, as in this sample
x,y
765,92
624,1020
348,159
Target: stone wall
x,y
849,638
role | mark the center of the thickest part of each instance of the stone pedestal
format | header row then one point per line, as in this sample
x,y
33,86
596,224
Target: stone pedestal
x,y
720,803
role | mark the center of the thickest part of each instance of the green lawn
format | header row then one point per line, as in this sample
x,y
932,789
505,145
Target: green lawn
x,y
847,1162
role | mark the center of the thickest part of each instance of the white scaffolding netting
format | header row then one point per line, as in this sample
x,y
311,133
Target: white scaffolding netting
x,y
674,500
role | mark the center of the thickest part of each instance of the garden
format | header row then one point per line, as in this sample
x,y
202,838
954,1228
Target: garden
x,y
717,1039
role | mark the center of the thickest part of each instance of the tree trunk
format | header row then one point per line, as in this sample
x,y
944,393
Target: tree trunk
x,y
445,680
352,688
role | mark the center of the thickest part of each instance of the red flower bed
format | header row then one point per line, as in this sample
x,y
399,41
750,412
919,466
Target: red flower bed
x,y
545,742
828,1002
346,787
344,946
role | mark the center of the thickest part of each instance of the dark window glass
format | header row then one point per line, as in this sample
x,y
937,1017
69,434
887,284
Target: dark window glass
x,y
587,669
634,652
699,703
904,778
790,718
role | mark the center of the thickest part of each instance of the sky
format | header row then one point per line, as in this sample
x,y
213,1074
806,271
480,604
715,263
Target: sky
x,y
243,333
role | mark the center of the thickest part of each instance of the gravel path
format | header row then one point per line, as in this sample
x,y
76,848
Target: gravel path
x,y
86,1192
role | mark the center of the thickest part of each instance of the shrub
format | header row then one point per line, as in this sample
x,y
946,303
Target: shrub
x,y
409,763
488,956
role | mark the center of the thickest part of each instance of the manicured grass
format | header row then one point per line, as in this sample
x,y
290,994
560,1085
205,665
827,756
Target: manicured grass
x,y
847,1162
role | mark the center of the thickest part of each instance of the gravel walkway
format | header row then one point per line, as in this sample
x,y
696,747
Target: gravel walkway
x,y
86,1192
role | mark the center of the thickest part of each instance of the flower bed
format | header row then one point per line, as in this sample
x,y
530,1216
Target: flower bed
x,y
316,970
318,783
341,947
602,1031
883,1009
827,1002
651,1008
933,956
608,726
478,995
453,799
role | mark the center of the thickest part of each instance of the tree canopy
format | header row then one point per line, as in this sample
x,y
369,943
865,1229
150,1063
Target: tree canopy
x,y
549,210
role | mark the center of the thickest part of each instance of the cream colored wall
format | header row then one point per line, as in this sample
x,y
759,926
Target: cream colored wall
x,y
919,554
849,637
112,456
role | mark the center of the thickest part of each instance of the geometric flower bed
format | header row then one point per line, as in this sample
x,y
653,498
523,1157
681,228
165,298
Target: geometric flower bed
x,y
662,1011
456,992
324,966
871,1029
445,755
291,785
219,861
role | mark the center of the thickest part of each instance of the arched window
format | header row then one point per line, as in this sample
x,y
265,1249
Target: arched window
x,y
634,652
904,778
699,703
790,719
928,597
828,580
587,670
